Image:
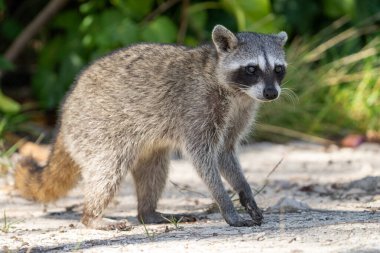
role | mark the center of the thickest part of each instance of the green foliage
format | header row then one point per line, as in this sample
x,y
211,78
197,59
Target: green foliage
x,y
5,64
2,5
335,77
101,26
161,29
7,224
8,105
338,8
334,90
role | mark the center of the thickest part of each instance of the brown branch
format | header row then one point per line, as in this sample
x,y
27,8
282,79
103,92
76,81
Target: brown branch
x,y
183,189
160,9
267,177
42,18
184,22
293,134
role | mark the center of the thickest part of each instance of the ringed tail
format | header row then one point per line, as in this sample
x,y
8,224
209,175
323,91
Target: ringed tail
x,y
47,183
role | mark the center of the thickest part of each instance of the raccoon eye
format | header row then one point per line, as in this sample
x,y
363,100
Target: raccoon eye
x,y
250,69
279,69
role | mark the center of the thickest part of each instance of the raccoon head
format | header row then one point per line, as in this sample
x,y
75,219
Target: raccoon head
x,y
252,62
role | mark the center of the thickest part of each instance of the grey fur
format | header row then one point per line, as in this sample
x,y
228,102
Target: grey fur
x,y
128,109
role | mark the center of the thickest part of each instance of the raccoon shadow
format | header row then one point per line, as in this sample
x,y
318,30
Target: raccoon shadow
x,y
275,223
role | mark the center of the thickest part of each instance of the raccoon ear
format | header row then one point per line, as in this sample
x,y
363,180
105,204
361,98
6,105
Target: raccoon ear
x,y
283,36
224,40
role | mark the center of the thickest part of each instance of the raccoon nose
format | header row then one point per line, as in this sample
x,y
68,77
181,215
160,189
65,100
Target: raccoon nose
x,y
270,93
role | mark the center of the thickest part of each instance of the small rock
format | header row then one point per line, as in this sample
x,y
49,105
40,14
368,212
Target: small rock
x,y
288,205
368,184
283,184
260,236
352,140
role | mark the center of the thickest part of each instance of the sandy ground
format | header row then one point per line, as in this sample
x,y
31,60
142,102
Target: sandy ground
x,y
339,190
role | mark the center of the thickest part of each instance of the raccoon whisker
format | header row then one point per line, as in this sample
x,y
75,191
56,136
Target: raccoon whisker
x,y
290,64
284,83
240,84
291,93
288,95
289,98
286,98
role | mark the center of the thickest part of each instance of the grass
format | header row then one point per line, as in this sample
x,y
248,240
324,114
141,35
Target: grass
x,y
150,234
5,157
173,220
7,224
332,86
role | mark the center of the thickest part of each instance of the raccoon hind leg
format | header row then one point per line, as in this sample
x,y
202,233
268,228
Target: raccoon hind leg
x,y
102,180
150,176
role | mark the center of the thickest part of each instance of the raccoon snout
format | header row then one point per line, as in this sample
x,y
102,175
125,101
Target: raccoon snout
x,y
270,93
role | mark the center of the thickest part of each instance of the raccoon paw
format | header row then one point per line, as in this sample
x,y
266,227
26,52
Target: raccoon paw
x,y
242,223
251,208
108,224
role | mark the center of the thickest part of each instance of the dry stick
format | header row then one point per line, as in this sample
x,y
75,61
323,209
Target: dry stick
x,y
47,13
160,9
294,134
267,177
182,189
184,22
42,18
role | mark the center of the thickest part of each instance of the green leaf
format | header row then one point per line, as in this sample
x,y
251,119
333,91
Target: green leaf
x,y
2,6
338,8
5,64
133,8
197,21
44,86
10,28
246,12
8,105
68,21
161,30
116,31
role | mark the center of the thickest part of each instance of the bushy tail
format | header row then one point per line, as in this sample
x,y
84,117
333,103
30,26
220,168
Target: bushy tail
x,y
48,183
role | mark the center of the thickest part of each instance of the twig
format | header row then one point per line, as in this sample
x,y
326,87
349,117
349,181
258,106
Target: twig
x,y
182,189
184,22
267,177
42,18
47,13
160,9
293,134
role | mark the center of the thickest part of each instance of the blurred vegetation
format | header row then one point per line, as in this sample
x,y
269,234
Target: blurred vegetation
x,y
332,85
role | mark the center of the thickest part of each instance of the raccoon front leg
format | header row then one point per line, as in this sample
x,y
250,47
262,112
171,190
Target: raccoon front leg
x,y
206,163
231,170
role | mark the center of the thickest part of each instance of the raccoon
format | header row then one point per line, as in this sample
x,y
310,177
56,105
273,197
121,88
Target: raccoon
x,y
128,110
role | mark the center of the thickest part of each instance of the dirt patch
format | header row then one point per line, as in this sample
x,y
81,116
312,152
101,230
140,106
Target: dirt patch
x,y
336,193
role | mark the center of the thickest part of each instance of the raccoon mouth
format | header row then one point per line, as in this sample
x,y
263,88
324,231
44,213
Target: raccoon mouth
x,y
260,98
265,100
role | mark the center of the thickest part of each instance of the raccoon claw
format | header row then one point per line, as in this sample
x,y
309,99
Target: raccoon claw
x,y
251,208
243,223
256,214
